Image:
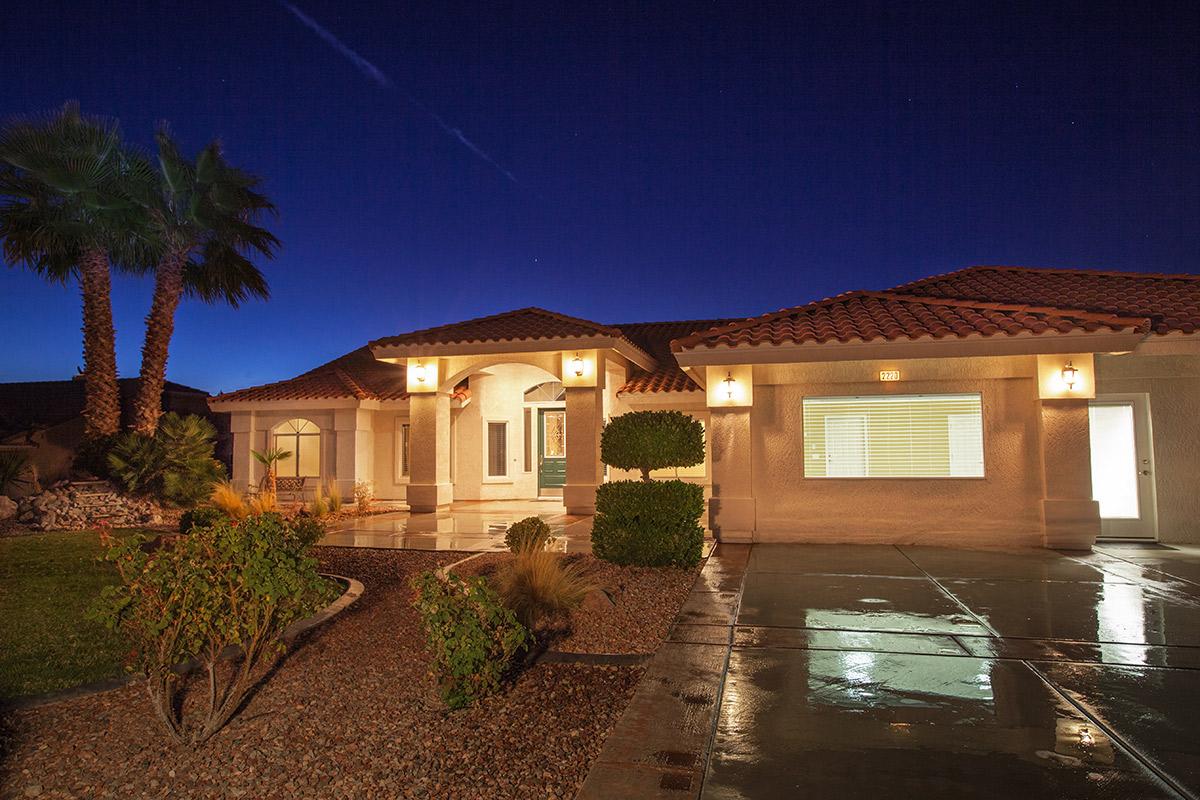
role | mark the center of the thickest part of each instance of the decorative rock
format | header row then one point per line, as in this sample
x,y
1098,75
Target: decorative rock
x,y
8,507
86,504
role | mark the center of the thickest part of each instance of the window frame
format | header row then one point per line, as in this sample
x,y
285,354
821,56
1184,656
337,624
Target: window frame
x,y
506,477
293,446
983,438
401,469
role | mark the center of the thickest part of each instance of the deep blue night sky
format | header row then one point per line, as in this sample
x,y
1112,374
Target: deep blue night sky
x,y
677,161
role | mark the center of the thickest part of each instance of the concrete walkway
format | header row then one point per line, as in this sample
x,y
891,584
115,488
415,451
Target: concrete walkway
x,y
875,671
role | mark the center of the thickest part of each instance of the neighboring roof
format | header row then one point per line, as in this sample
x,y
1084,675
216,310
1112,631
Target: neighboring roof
x,y
358,375
524,324
655,338
1170,302
31,404
875,316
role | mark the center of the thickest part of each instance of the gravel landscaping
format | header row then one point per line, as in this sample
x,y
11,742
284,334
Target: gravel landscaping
x,y
642,604
353,713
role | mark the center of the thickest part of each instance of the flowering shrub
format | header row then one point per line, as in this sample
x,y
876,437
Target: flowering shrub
x,y
473,638
227,584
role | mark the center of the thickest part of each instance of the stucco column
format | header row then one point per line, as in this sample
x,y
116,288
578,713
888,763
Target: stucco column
x,y
731,509
585,418
429,487
1070,517
241,428
354,447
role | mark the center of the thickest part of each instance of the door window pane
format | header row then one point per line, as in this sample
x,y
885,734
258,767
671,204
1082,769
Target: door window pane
x,y
1114,460
556,434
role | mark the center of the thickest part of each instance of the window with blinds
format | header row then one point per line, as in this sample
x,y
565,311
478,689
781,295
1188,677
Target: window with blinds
x,y
894,436
497,449
402,446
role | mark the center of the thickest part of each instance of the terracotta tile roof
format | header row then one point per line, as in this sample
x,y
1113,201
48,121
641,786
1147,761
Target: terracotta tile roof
x,y
875,316
655,338
524,324
357,374
1170,302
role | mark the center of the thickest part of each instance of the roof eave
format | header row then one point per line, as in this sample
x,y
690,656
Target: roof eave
x,y
925,347
397,353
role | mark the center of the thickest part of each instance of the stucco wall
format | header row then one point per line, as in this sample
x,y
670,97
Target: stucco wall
x,y
1004,507
251,431
497,394
1173,383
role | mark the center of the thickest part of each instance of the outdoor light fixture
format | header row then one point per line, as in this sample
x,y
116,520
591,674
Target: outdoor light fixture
x,y
1086,738
419,372
1070,375
577,365
728,384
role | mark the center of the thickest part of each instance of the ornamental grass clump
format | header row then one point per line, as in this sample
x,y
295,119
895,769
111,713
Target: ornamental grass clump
x,y
537,585
650,523
227,498
227,585
529,532
472,637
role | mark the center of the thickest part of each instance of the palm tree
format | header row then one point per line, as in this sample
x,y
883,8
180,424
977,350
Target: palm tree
x,y
269,458
203,215
67,207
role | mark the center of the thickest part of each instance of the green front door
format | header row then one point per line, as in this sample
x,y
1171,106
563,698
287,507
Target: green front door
x,y
552,448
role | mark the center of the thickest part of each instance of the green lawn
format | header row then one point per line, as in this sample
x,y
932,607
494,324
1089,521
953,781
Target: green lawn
x,y
48,582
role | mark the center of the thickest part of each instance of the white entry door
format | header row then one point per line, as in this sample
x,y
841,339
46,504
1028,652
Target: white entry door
x,y
1123,466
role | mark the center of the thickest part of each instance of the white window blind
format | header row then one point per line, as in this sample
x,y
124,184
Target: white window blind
x,y
497,449
894,436
402,445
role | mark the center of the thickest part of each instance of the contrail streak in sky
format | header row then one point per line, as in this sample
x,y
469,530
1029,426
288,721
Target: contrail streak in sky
x,y
374,73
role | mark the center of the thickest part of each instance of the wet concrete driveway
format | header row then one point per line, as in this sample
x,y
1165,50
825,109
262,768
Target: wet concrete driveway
x,y
895,672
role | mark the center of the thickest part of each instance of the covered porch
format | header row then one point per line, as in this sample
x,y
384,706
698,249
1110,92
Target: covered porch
x,y
466,525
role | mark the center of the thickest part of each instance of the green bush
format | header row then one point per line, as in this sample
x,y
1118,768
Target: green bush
x,y
226,584
473,638
91,457
14,470
649,523
175,466
530,532
647,440
201,517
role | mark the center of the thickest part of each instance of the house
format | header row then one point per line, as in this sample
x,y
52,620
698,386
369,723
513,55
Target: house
x,y
986,406
44,419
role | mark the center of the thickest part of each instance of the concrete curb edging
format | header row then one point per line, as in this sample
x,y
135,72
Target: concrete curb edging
x,y
290,634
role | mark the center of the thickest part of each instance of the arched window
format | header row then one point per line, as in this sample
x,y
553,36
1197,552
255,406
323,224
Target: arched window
x,y
302,439
547,392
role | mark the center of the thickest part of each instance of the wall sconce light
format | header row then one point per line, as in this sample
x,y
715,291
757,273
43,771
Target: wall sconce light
x,y
728,383
1070,375
577,365
419,373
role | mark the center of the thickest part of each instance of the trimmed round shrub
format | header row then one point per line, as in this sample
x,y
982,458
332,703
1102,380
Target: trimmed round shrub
x,y
647,440
649,523
530,533
200,517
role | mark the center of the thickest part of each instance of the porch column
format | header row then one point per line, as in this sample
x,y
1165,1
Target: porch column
x,y
429,488
354,448
1070,517
731,508
730,395
241,428
585,418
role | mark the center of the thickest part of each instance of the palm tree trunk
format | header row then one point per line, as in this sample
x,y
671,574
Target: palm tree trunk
x,y
102,398
160,324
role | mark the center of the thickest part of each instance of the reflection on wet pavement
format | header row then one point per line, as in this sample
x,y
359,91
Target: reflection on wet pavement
x,y
898,672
